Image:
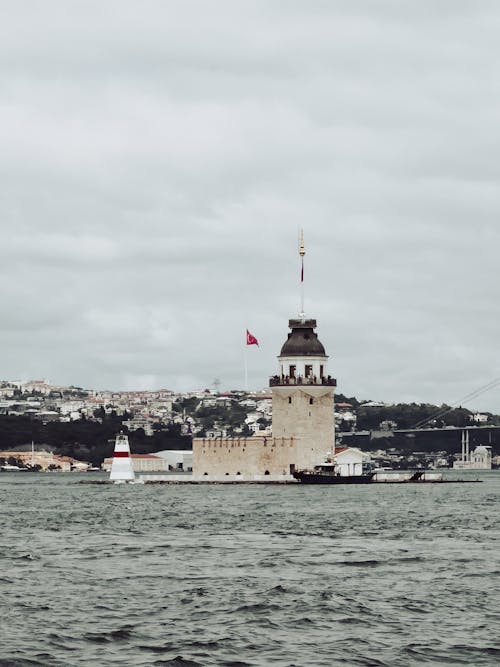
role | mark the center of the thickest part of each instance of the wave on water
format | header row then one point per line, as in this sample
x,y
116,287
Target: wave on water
x,y
248,576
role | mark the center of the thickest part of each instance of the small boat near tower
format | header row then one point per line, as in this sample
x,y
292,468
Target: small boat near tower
x,y
329,473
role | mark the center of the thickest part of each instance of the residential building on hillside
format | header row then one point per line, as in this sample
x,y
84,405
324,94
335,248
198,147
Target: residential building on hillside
x,y
46,460
140,422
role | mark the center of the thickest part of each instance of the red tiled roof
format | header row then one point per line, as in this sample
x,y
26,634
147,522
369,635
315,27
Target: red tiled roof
x,y
144,456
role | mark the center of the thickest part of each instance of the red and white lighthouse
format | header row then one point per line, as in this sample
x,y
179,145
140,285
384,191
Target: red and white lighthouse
x,y
122,468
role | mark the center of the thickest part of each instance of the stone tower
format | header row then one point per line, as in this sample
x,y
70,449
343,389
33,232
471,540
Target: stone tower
x,y
303,403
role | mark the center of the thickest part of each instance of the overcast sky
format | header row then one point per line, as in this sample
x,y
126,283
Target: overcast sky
x,y
157,159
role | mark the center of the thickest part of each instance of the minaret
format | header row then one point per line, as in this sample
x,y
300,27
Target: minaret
x,y
303,402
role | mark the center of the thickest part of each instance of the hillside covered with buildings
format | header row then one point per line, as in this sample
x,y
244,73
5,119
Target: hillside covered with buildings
x,y
81,424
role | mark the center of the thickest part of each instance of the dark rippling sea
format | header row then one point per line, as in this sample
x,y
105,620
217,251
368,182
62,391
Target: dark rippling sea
x,y
248,575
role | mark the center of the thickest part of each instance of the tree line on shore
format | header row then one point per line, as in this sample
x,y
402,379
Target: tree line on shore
x,y
86,440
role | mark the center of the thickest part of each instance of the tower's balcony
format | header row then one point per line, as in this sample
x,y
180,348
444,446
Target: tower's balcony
x,y
284,380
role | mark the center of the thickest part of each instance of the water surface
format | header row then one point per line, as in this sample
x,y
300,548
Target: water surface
x,y
248,575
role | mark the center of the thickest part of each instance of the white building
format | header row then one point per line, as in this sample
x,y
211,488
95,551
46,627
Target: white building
x,y
141,463
177,459
479,418
265,406
140,422
478,459
69,407
349,461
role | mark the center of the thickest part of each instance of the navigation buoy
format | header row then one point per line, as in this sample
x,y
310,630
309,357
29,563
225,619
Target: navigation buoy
x,y
122,469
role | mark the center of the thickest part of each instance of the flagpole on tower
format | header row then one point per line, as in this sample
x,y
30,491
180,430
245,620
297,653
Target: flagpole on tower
x,y
249,340
246,363
302,252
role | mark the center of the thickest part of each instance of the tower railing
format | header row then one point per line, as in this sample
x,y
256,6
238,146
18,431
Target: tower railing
x,y
284,380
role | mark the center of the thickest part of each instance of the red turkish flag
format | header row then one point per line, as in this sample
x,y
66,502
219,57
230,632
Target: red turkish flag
x,y
251,340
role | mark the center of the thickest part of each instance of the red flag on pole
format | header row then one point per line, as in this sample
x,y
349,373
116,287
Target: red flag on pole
x,y
251,340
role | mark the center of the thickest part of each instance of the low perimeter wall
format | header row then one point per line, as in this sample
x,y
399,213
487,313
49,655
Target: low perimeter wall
x,y
248,457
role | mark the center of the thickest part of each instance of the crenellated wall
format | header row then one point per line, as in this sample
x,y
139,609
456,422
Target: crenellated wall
x,y
248,456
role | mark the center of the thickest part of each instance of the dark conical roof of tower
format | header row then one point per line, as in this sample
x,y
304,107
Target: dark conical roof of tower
x,y
302,341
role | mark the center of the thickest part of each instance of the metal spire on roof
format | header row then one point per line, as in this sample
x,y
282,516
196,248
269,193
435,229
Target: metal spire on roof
x,y
302,252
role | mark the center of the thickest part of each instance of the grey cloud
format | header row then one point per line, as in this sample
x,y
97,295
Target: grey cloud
x,y
157,161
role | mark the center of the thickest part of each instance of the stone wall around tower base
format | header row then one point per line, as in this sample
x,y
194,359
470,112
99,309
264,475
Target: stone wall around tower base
x,y
254,456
